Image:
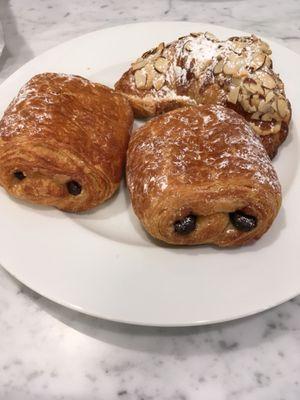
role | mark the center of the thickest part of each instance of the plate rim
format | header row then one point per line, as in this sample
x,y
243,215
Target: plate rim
x,y
76,307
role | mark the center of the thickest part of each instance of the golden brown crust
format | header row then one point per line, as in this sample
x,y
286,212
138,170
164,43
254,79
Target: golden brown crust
x,y
63,128
205,161
200,69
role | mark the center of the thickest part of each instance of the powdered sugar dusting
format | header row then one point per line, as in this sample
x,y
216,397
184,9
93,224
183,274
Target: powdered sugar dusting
x,y
204,70
199,146
49,91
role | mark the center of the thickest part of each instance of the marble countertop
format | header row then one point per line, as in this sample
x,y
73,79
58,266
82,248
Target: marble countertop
x,y
49,352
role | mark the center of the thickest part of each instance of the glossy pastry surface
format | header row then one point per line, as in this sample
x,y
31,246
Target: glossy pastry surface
x,y
63,141
200,69
201,175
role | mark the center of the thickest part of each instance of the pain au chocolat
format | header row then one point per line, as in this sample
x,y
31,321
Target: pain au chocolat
x,y
201,175
63,142
200,69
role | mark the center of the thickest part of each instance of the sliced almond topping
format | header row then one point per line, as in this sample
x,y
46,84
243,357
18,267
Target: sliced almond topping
x,y
247,106
160,48
274,106
238,49
255,100
229,68
264,107
276,128
237,46
250,87
255,128
149,52
198,68
233,94
267,117
158,51
263,132
154,53
236,81
210,36
280,83
253,87
219,67
189,45
256,115
235,65
140,78
233,58
197,71
240,62
159,81
265,47
267,80
150,72
282,107
260,90
243,72
195,34
277,117
269,96
139,64
236,39
268,62
257,61
161,65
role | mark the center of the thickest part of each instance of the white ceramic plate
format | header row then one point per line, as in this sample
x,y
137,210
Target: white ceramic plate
x,y
102,263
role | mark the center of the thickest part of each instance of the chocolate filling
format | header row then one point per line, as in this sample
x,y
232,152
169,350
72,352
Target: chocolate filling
x,y
185,225
242,221
19,175
74,188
